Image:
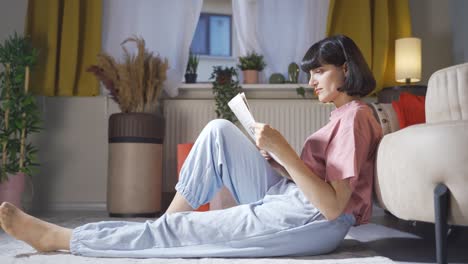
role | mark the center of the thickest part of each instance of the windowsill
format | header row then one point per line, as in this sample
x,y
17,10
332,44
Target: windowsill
x,y
217,58
252,91
283,86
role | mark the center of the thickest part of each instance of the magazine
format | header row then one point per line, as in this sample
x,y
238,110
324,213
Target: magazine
x,y
240,107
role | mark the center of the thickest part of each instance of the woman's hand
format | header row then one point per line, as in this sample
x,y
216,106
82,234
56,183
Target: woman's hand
x,y
269,139
265,154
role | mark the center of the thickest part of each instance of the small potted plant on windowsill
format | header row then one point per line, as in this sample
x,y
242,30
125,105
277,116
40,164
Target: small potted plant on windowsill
x,y
250,66
19,118
191,71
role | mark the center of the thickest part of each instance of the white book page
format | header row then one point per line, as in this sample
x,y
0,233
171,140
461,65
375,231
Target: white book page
x,y
240,108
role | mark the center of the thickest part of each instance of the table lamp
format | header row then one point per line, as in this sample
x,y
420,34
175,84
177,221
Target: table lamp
x,y
407,70
408,60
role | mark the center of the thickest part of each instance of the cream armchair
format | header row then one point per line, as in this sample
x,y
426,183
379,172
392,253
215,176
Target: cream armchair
x,y
422,170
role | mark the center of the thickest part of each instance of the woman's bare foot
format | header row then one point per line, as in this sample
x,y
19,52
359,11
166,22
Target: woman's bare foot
x,y
39,234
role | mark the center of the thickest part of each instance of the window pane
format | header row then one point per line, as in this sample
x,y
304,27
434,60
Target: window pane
x,y
199,42
220,35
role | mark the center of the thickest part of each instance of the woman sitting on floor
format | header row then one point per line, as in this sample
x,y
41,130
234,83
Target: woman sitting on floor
x,y
305,206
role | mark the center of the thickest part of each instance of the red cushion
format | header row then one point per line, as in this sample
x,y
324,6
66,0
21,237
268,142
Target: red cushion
x,y
410,109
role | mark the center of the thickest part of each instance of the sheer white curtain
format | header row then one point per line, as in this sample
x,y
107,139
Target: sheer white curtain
x,y
281,31
167,26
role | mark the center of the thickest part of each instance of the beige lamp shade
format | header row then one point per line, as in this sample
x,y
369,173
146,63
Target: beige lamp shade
x,y
408,60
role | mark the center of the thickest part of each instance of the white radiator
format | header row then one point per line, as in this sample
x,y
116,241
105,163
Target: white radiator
x,y
295,119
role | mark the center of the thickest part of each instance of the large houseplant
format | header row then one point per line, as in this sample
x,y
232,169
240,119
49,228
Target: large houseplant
x,y
19,117
135,135
250,65
225,87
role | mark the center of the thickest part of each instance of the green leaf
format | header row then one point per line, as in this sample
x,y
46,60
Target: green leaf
x,y
301,91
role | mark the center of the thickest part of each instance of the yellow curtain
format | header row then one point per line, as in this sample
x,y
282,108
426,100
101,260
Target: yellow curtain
x,y
67,34
374,25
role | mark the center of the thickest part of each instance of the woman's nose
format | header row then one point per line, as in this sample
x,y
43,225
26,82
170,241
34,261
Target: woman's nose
x,y
312,81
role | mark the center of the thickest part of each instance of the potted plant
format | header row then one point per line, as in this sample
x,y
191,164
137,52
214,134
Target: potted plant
x,y
19,118
250,66
134,186
225,87
191,71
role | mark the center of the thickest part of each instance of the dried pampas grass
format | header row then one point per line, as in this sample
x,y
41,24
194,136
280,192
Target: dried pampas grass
x,y
135,84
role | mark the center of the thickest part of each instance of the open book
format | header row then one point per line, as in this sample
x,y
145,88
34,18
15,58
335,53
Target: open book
x,y
241,109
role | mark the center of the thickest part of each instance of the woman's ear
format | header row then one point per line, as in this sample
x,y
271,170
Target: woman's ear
x,y
345,68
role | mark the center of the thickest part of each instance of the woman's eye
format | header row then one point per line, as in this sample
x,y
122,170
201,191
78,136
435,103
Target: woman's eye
x,y
318,71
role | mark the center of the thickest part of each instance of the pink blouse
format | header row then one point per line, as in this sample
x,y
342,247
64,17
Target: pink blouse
x,y
346,148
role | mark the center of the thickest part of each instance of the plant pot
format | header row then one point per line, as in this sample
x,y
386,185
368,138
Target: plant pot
x,y
250,76
224,78
191,78
12,190
134,184
182,152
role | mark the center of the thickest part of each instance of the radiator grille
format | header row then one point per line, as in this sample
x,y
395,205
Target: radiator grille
x,y
295,119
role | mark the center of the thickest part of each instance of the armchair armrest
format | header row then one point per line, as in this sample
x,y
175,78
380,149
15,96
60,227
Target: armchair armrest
x,y
412,161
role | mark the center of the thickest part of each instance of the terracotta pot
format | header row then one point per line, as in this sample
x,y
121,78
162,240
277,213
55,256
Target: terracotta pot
x,y
182,152
134,183
12,190
250,76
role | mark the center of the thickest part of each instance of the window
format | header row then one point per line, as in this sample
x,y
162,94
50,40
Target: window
x,y
213,35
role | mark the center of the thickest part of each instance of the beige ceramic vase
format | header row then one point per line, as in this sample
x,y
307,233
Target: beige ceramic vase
x,y
134,184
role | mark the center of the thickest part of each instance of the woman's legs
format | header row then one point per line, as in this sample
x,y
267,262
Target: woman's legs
x,y
282,223
39,234
222,156
224,143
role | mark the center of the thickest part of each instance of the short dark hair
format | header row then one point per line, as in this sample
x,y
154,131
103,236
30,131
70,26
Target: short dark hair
x,y
337,50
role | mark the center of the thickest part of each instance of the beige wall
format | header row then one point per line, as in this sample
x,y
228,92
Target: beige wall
x,y
432,23
73,154
74,142
12,14
458,11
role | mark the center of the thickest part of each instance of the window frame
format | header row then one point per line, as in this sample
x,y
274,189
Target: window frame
x,y
207,39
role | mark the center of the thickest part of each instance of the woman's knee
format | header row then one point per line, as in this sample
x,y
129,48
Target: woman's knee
x,y
220,125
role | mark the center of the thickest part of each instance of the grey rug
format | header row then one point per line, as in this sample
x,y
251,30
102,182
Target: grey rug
x,y
17,252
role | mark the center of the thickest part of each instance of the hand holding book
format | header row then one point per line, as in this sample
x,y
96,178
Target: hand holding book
x,y
241,109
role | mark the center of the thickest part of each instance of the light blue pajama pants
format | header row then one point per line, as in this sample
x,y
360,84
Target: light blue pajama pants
x,y
273,217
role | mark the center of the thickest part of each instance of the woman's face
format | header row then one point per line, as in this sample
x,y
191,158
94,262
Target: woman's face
x,y
325,80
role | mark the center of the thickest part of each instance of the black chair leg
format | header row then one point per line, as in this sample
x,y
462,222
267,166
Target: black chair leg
x,y
441,204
